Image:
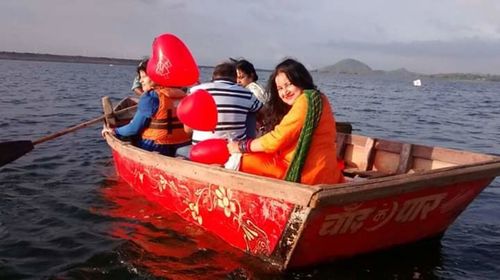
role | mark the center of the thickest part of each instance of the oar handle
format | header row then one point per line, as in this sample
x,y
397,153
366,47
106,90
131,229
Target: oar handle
x,y
79,126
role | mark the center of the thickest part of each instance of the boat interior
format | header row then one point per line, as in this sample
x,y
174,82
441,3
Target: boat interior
x,y
366,157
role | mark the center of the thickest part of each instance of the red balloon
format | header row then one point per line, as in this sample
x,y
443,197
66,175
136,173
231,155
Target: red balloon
x,y
210,151
198,111
171,63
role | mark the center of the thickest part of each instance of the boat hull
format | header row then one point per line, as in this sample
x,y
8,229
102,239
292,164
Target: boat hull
x,y
247,221
396,193
328,224
335,232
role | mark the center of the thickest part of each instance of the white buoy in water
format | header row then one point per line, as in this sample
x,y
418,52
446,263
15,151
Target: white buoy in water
x,y
417,83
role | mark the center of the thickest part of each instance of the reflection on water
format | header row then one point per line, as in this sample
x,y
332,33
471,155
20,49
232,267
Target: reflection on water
x,y
157,243
420,260
163,244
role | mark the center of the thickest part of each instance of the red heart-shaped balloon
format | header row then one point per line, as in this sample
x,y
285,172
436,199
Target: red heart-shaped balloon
x,y
198,111
171,63
211,151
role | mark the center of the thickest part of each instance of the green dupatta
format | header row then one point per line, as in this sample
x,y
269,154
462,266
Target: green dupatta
x,y
314,109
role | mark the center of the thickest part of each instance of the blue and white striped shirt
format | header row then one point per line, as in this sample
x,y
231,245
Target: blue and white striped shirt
x,y
233,105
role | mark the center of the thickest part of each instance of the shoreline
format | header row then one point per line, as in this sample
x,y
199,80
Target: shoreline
x,y
122,61
67,58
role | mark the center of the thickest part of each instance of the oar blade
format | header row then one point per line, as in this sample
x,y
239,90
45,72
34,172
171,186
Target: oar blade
x,y
12,150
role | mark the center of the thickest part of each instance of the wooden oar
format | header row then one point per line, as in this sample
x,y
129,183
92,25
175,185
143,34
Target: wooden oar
x,y
12,150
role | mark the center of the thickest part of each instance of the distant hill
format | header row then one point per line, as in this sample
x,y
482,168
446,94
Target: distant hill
x,y
402,72
355,67
347,66
467,76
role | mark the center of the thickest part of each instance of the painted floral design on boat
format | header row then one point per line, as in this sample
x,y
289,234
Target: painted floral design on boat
x,y
224,201
200,200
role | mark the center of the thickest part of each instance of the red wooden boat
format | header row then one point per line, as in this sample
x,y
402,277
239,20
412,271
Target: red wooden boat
x,y
396,193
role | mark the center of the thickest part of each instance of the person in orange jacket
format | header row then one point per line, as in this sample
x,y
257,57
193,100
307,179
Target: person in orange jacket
x,y
301,147
155,121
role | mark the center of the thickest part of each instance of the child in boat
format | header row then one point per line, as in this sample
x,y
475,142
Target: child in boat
x,y
156,120
301,147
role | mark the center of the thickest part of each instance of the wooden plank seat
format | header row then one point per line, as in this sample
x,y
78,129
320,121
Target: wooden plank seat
x,y
365,166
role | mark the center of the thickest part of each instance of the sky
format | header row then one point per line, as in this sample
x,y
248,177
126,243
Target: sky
x,y
425,36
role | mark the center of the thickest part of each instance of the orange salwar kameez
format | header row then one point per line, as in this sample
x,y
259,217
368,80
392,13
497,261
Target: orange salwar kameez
x,y
279,147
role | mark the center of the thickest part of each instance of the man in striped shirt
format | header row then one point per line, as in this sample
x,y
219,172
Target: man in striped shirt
x,y
234,103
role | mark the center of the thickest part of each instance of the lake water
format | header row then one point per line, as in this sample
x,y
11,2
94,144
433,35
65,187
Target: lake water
x,y
64,214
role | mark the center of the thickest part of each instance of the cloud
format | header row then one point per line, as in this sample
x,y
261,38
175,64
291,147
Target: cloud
x,y
469,47
384,34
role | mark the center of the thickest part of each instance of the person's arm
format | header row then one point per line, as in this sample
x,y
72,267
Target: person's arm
x,y
148,105
256,104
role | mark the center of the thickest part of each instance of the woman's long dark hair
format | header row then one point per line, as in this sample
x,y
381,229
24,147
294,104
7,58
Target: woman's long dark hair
x,y
246,67
298,75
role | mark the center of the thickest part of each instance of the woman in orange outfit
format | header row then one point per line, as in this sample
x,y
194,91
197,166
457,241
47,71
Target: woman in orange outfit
x,y
301,147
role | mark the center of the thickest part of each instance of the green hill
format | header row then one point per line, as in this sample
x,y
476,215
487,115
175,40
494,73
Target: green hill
x,y
347,66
